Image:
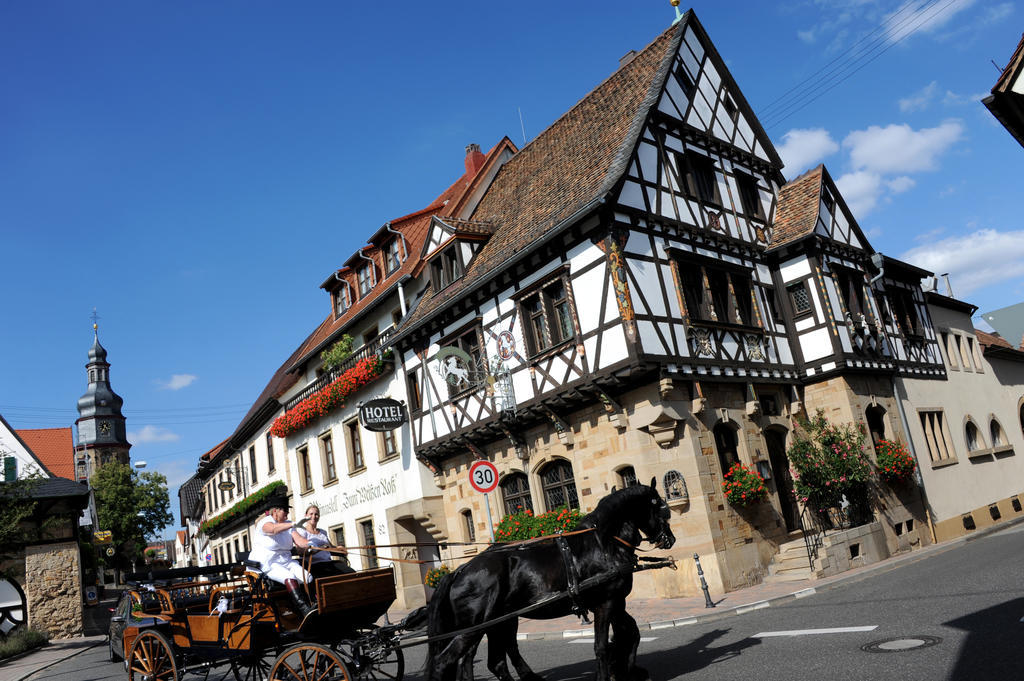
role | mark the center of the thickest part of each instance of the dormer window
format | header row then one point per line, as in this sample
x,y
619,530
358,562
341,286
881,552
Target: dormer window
x,y
365,277
341,300
392,261
446,267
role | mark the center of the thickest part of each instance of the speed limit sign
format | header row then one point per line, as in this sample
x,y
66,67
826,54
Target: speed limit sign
x,y
483,476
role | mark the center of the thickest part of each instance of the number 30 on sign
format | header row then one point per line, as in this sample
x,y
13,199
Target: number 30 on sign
x,y
483,476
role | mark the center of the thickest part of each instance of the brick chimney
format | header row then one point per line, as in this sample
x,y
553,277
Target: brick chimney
x,y
474,159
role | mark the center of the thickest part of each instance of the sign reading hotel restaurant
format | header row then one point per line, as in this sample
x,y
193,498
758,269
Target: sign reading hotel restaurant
x,y
382,414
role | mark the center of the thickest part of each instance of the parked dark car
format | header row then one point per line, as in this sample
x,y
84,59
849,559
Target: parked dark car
x,y
128,616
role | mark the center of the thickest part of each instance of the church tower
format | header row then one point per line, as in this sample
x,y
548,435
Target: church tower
x,y
101,428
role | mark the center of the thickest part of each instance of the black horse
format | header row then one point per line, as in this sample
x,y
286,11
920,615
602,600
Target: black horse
x,y
509,577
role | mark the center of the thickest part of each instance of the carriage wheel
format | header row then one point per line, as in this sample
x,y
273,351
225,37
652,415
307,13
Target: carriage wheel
x,y
376,657
152,658
307,661
254,667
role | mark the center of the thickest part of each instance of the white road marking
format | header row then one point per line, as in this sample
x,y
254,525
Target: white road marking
x,y
643,639
804,593
808,632
753,606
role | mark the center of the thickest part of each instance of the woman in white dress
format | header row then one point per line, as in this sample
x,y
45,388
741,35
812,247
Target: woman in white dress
x,y
322,563
272,544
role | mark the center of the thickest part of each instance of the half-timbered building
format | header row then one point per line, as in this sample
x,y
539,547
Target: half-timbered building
x,y
636,296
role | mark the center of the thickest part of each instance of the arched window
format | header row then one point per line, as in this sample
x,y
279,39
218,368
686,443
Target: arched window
x,y
559,486
515,492
469,530
675,486
996,431
627,477
726,444
972,436
875,416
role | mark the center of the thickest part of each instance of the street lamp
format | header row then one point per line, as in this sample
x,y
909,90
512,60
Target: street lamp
x,y
140,464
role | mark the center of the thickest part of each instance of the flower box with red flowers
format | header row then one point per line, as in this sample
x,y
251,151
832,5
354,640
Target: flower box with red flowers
x,y
332,396
743,486
895,463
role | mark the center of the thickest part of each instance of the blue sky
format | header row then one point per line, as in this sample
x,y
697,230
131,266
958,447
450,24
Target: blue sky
x,y
195,170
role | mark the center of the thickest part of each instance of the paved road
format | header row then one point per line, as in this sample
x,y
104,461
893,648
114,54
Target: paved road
x,y
967,602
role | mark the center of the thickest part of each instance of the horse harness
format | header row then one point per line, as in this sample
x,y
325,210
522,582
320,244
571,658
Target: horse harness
x,y
572,577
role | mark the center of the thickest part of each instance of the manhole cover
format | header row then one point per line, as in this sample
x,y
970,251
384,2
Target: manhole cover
x,y
900,644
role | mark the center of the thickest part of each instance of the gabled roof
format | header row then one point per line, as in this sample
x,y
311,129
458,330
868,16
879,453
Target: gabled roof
x,y
189,497
799,209
35,460
567,170
54,447
994,345
1007,99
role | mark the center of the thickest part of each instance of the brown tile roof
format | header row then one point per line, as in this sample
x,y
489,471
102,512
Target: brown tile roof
x,y
567,168
54,447
415,227
992,339
797,213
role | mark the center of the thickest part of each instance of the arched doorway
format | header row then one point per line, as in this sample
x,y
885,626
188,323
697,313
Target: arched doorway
x,y
775,439
875,416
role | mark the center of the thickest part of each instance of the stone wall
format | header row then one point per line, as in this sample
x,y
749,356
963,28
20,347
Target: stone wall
x,y
655,432
53,588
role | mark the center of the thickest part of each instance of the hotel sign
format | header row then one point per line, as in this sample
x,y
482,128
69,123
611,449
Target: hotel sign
x,y
382,414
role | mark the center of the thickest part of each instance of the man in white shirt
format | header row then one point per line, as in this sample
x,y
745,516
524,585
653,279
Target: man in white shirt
x,y
272,549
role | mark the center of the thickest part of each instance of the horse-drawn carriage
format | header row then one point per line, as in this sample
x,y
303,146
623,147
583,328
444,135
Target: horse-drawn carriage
x,y
247,624
232,618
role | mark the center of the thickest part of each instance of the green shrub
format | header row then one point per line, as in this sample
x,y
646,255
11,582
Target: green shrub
x,y
21,640
337,353
525,525
829,462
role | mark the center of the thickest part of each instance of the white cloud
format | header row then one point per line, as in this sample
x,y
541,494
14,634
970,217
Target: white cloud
x,y
862,190
921,16
177,382
953,99
152,434
920,99
900,148
982,258
800,149
898,185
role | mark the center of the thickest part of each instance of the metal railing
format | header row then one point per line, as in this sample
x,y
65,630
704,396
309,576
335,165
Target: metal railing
x,y
377,346
815,524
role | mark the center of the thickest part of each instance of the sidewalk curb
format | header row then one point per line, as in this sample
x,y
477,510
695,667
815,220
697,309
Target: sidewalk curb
x,y
891,563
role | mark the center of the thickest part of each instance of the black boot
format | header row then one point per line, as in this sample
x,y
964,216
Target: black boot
x,y
299,600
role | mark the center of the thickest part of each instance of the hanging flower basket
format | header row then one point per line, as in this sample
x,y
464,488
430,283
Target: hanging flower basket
x,y
743,486
330,397
895,463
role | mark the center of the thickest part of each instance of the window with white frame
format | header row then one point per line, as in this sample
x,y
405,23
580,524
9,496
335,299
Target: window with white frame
x,y
365,277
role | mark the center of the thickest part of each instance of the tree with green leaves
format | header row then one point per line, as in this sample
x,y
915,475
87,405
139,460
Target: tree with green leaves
x,y
131,506
16,511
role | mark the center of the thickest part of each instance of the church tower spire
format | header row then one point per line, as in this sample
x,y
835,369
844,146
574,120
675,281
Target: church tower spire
x,y
101,426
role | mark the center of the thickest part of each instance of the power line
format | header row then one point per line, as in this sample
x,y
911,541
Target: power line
x,y
798,104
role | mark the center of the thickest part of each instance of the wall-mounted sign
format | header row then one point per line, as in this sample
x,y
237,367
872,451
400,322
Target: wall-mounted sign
x,y
382,414
110,551
102,536
506,345
226,485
